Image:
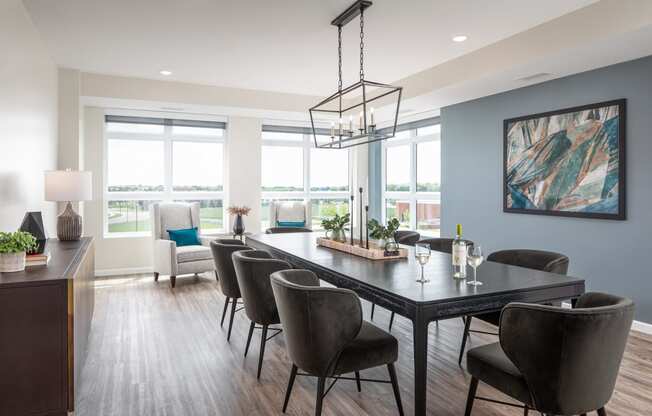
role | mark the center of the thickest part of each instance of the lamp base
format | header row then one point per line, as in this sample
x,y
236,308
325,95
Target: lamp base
x,y
69,224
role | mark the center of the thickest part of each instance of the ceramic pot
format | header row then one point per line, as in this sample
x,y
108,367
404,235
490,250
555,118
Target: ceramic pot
x,y
12,262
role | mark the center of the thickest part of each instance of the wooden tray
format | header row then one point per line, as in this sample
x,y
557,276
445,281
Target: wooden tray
x,y
373,253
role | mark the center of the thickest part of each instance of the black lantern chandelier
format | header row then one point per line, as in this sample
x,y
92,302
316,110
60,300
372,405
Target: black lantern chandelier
x,y
351,109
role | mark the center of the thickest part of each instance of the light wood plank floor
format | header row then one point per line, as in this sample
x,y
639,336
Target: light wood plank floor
x,y
157,351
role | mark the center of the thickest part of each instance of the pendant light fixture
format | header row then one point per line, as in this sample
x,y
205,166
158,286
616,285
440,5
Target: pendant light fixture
x,y
351,110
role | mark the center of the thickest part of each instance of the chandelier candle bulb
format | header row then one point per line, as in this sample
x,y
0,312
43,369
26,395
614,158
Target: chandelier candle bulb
x,y
332,129
361,121
372,117
351,125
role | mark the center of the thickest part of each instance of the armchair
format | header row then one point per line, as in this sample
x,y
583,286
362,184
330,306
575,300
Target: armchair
x,y
168,258
289,214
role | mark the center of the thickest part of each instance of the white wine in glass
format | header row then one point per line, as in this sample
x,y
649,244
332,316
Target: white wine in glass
x,y
422,254
475,258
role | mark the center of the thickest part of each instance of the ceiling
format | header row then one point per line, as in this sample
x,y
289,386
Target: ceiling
x,y
283,45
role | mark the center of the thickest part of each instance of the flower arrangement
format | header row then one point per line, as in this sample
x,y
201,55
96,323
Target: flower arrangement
x,y
236,210
17,242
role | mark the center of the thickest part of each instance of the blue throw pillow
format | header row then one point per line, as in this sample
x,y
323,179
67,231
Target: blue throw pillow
x,y
291,223
187,237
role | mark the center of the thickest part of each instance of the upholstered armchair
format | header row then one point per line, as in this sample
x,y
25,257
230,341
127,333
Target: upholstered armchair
x,y
289,214
168,258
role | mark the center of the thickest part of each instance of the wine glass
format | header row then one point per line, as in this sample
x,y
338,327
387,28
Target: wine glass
x,y
475,259
422,253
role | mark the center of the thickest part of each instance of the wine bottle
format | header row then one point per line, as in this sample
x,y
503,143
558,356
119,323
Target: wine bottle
x,y
459,255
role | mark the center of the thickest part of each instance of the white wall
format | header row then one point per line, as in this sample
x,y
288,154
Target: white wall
x,y
28,118
243,182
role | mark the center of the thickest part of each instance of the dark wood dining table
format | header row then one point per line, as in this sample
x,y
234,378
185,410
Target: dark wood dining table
x,y
392,284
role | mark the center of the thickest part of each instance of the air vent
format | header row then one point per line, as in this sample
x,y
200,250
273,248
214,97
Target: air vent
x,y
535,77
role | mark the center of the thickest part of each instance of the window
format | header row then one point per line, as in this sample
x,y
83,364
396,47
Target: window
x,y
149,162
294,170
412,179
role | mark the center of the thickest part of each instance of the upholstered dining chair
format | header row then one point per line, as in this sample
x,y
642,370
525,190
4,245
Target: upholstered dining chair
x,y
407,237
222,250
173,260
546,261
326,336
252,269
444,245
554,360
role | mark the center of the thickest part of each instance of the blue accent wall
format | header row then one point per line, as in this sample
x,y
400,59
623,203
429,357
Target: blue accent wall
x,y
613,256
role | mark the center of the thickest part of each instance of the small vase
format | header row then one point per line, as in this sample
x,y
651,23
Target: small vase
x,y
238,226
336,235
391,246
12,262
381,243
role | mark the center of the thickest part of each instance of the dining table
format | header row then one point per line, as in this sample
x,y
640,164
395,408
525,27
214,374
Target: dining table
x,y
392,284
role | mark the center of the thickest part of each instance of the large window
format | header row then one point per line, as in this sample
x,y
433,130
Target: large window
x,y
412,179
294,170
151,160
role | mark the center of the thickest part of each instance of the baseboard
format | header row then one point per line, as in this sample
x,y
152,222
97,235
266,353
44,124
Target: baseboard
x,y
123,271
643,327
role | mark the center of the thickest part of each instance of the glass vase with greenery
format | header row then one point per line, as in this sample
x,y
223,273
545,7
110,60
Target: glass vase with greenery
x,y
336,226
13,248
383,234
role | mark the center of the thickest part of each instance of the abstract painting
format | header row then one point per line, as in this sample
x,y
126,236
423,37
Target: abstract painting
x,y
568,162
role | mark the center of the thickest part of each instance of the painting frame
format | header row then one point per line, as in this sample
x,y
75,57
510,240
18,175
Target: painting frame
x,y
621,215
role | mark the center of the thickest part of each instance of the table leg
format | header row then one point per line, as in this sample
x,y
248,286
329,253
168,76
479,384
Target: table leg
x,y
420,338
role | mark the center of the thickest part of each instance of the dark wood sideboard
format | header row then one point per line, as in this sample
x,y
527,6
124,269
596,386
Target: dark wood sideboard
x,y
45,318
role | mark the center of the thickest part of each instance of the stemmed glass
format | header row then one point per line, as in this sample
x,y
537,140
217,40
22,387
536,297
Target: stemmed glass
x,y
422,253
475,259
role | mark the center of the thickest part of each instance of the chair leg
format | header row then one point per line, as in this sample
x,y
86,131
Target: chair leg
x,y
373,309
391,321
473,387
293,375
216,276
173,281
263,340
226,306
320,395
602,411
526,411
397,392
357,381
234,304
156,276
465,336
251,332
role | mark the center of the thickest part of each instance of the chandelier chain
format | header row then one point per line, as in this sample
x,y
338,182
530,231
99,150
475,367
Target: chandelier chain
x,y
339,56
361,43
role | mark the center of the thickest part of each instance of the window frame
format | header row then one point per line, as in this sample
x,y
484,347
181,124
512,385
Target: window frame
x,y
412,196
168,194
307,143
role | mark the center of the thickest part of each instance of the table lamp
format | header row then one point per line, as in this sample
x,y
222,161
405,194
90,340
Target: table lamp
x,y
67,186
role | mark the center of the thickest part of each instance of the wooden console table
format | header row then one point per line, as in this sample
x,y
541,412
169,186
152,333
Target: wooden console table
x,y
45,318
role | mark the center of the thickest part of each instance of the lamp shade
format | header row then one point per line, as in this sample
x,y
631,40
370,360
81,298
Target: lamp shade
x,y
68,185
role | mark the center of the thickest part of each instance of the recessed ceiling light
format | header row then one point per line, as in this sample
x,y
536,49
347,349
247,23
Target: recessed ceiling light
x,y
165,72
459,38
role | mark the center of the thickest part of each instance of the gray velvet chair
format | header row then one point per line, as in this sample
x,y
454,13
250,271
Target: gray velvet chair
x,y
409,238
252,269
326,336
285,230
553,360
222,250
546,261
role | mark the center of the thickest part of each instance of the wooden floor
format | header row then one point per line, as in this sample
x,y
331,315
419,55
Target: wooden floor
x,y
157,351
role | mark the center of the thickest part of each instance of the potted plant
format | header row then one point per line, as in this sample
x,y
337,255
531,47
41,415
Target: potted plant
x,y
238,224
336,226
383,234
13,248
